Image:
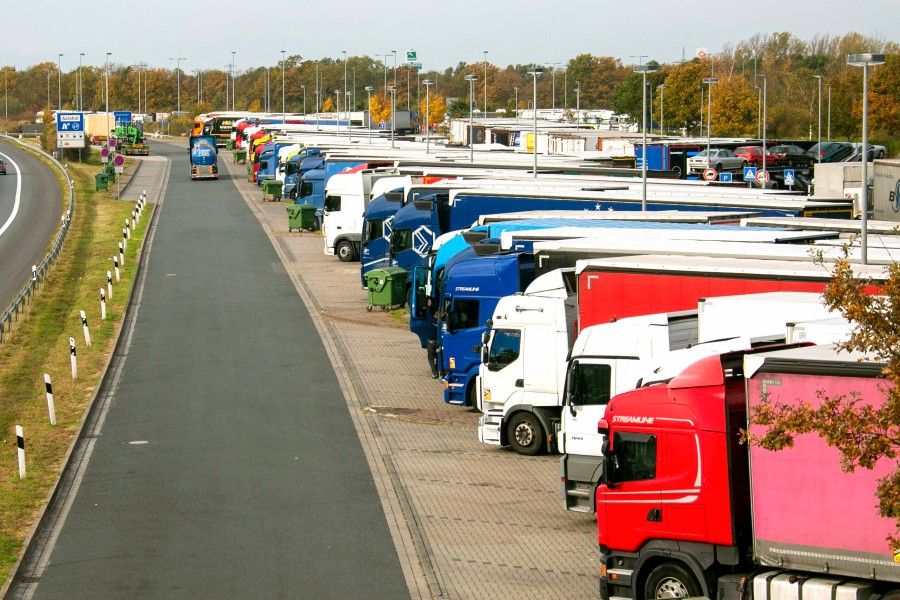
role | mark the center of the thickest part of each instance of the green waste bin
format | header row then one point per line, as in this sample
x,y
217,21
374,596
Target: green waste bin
x,y
249,172
110,168
387,287
101,181
301,216
229,145
240,156
272,187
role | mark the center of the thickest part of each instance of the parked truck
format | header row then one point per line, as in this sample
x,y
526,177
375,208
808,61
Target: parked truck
x,y
685,509
130,139
203,157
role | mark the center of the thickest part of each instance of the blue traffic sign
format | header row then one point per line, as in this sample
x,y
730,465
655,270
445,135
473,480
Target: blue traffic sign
x,y
725,177
121,117
749,173
69,122
789,177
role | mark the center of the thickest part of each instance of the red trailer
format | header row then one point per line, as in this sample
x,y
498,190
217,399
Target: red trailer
x,y
613,288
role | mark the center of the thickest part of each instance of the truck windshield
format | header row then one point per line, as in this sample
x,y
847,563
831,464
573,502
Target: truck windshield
x,y
306,189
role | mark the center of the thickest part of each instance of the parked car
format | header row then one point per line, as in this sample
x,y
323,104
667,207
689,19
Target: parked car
x,y
790,156
831,151
2,168
754,155
719,158
875,151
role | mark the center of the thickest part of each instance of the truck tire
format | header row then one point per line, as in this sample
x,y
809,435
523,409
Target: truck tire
x,y
344,251
671,580
472,397
525,434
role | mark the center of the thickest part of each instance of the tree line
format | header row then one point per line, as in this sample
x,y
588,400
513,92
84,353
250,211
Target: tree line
x,y
790,67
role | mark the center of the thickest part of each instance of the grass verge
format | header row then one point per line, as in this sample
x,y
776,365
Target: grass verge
x,y
39,343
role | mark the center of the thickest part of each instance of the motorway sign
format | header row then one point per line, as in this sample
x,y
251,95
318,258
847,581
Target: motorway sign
x,y
709,174
762,177
411,56
725,177
119,160
121,117
749,173
69,122
789,177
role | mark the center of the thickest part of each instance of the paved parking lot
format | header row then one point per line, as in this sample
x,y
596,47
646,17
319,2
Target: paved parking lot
x,y
468,520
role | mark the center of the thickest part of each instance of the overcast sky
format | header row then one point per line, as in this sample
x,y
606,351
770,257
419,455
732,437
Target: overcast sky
x,y
442,32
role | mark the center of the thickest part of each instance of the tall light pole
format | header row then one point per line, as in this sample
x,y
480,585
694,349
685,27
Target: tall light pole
x,y
427,83
534,75
81,83
701,110
347,94
578,104
710,81
106,71
553,84
517,105
758,110
819,83
471,79
394,52
303,87
178,79
393,90
485,83
829,111
268,78
369,89
283,111
643,70
59,82
662,108
6,91
765,100
346,91
865,61
233,81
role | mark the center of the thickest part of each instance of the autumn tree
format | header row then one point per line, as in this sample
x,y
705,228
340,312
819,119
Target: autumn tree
x,y
733,108
863,430
328,106
436,108
682,95
379,109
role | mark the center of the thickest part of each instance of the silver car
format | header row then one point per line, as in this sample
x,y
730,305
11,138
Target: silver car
x,y
719,159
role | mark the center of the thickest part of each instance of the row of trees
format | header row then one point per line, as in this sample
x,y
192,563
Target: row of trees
x,y
789,64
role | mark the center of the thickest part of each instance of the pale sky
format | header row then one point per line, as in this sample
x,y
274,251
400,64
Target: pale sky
x,y
442,32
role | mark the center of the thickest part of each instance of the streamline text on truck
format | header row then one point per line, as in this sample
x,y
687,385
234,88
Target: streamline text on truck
x,y
686,510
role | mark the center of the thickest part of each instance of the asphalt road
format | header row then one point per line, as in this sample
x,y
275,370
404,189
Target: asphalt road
x,y
30,207
227,465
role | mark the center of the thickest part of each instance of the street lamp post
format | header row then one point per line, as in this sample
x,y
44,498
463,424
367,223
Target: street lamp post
x,y
427,83
81,83
819,83
178,79
534,74
865,61
758,110
829,111
393,90
662,105
643,70
283,111
710,81
347,94
578,103
485,83
59,82
346,91
303,87
471,79
369,89
517,105
233,81
394,52
701,110
764,118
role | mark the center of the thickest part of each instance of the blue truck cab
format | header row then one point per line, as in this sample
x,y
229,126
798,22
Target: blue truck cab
x,y
295,168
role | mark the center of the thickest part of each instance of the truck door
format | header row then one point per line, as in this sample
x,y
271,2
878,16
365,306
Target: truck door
x,y
588,387
506,364
632,509
421,311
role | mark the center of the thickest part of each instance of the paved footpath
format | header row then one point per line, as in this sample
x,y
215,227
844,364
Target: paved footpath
x,y
468,520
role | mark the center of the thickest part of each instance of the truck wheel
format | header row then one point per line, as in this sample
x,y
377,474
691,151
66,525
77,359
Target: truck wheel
x,y
525,434
671,580
472,397
344,251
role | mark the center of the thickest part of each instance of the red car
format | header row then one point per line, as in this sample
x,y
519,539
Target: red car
x,y
754,156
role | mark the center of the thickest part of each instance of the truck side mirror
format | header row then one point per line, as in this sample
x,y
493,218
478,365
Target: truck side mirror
x,y
485,355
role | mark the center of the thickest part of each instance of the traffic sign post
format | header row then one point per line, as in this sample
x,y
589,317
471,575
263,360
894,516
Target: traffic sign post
x,y
709,174
762,178
119,162
411,56
70,130
789,178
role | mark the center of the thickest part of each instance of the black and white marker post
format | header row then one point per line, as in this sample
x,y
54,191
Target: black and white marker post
x,y
109,284
50,406
73,358
121,255
84,326
124,240
116,265
127,229
34,273
102,304
20,443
